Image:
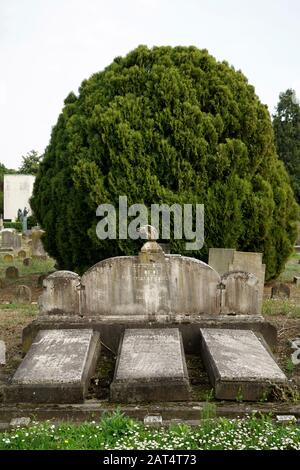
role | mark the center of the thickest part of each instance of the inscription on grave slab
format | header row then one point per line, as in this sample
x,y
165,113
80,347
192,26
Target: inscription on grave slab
x,y
56,368
238,364
151,365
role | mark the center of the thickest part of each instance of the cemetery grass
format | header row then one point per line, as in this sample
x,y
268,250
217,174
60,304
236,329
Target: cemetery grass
x,y
118,432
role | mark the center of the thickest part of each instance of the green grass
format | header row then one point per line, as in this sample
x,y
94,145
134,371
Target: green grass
x,y
292,268
275,307
117,431
37,266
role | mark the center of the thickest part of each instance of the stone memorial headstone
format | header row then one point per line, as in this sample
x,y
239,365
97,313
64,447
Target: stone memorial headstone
x,y
11,272
57,367
23,295
8,258
280,291
22,254
227,259
37,247
11,239
27,261
61,294
239,293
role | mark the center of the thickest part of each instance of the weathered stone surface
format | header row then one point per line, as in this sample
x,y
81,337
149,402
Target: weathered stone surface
x,y
2,353
239,293
37,248
151,284
297,280
23,295
280,291
27,261
61,294
11,272
238,364
8,258
221,259
11,239
224,260
41,278
57,368
150,367
22,422
22,254
154,421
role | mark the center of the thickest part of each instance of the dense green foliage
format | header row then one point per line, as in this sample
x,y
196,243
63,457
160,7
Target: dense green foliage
x,y
117,431
16,225
165,125
30,163
286,123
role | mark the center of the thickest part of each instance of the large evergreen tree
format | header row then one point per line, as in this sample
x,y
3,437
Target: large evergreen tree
x,y
165,125
286,123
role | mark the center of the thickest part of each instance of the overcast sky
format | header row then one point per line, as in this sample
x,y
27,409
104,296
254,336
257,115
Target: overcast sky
x,y
47,47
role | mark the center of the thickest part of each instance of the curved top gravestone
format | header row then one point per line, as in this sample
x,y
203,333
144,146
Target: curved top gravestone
x,y
150,284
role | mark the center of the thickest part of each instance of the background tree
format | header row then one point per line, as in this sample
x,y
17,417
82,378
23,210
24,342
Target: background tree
x,y
286,123
30,163
165,125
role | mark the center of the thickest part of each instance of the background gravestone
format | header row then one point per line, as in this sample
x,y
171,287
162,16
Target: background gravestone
x,y
11,272
227,259
239,293
27,261
11,239
23,295
280,291
61,294
22,254
2,353
8,258
37,248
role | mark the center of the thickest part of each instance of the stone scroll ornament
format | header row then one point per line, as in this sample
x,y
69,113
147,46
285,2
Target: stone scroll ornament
x,y
148,232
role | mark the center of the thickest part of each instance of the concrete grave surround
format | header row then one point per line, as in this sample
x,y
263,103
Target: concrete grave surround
x,y
238,364
227,259
57,367
150,366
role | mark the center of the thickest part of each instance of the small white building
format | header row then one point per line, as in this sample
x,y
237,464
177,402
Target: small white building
x,y
17,192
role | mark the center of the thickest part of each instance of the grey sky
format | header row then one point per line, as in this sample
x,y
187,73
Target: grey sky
x,y
47,47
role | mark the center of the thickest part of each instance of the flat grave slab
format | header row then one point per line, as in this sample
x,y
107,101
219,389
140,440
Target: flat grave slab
x,y
150,367
57,367
238,364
